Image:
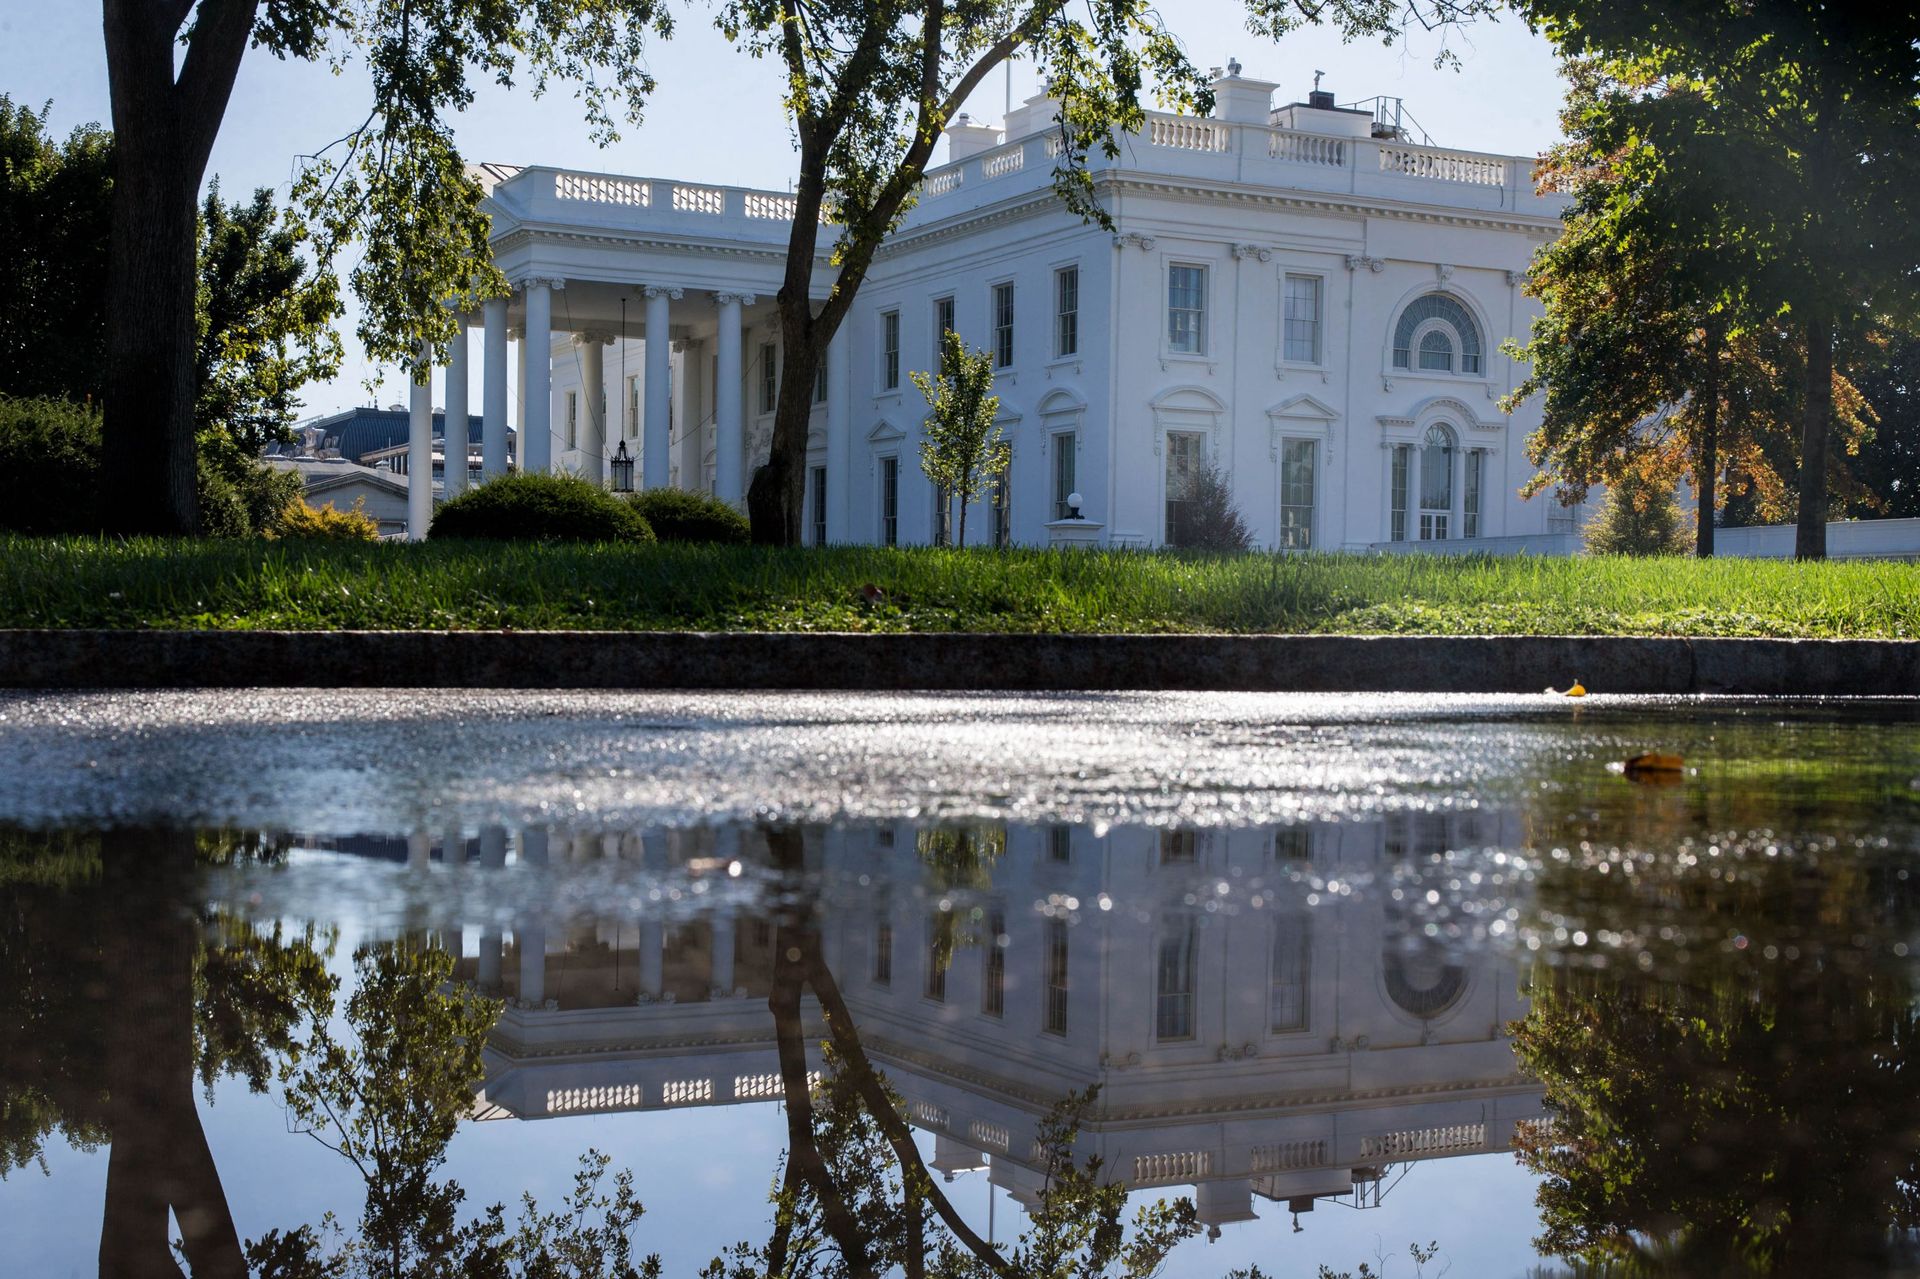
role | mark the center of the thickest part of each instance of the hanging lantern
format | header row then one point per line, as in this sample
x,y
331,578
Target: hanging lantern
x,y
622,469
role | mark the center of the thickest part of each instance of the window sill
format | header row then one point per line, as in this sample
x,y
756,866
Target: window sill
x,y
1170,358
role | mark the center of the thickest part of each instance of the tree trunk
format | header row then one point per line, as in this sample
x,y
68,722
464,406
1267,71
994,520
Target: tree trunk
x,y
776,496
163,132
1707,467
147,434
159,1159
1810,536
962,542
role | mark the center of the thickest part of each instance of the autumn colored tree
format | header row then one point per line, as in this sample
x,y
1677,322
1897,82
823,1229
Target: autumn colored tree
x,y
1801,118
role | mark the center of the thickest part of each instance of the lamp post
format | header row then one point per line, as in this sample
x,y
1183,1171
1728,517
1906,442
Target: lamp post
x,y
621,468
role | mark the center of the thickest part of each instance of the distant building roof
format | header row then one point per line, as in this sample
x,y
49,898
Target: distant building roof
x,y
319,475
360,431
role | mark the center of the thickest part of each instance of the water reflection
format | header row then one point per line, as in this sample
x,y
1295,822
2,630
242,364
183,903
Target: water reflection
x,y
1688,1009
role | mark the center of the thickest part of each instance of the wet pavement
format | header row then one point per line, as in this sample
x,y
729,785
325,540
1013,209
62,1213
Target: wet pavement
x,y
855,980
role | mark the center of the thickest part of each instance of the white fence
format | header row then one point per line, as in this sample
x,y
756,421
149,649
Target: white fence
x,y
1846,540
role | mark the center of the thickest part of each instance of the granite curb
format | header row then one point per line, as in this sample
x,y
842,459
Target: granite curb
x,y
972,662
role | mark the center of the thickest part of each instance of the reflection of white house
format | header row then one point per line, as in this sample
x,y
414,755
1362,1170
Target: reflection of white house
x,y
1303,295
1246,1043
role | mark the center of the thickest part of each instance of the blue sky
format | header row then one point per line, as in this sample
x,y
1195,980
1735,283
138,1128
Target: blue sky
x,y
716,116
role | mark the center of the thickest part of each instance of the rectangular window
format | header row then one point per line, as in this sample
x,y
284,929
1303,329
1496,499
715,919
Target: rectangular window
x,y
993,992
1066,312
1003,326
1293,844
1060,843
573,419
1179,847
883,951
1056,1023
817,494
1187,309
1184,460
1065,445
1399,528
633,407
1287,989
1003,507
1470,499
939,949
1174,979
889,501
1296,495
1302,340
820,383
942,515
942,325
889,350
769,376
1436,486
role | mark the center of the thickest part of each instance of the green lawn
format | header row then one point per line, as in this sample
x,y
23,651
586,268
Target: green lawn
x,y
81,582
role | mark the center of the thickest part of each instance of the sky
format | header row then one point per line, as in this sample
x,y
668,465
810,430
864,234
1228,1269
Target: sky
x,y
716,116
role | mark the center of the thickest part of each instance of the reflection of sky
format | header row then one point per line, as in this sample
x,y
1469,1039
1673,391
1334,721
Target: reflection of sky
x,y
704,1173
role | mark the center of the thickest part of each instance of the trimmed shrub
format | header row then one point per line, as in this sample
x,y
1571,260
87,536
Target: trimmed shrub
x,y
677,515
49,466
1639,516
299,520
540,508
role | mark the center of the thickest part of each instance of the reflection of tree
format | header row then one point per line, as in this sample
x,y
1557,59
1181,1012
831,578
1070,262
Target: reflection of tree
x,y
1733,1092
855,1198
117,992
388,1098
958,858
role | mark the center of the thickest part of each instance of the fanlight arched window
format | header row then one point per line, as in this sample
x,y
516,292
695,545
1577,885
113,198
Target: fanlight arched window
x,y
1423,984
1442,333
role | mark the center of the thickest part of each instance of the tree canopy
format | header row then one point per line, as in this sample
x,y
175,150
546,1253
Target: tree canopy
x,y
963,451
1762,157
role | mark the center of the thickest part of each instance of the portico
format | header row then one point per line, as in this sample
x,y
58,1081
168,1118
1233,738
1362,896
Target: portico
x,y
674,310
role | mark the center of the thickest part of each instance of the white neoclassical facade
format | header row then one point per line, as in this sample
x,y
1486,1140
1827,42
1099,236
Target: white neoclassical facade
x,y
1259,1034
1300,294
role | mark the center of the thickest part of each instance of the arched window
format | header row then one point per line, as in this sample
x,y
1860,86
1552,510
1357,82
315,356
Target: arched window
x,y
1442,330
1436,483
1423,984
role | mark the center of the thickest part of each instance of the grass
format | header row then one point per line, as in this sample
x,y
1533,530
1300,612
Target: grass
x,y
84,582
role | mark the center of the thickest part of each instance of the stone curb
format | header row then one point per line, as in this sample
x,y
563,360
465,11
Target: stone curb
x,y
750,660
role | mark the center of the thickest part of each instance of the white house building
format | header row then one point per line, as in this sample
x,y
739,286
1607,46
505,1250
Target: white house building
x,y
1264,1047
1301,294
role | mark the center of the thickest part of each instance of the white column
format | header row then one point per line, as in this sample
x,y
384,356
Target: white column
x,y
839,431
453,441
593,390
536,435
729,443
723,938
531,938
520,396
653,449
653,953
493,388
487,971
420,444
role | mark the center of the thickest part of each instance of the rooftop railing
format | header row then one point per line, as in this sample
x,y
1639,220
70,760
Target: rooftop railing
x,y
1191,146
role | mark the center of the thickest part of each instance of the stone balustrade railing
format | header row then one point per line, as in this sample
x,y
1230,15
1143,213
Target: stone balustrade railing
x,y
1190,146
